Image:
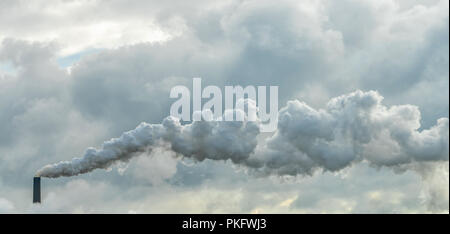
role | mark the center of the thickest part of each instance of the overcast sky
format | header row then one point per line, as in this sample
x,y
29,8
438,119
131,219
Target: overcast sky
x,y
76,73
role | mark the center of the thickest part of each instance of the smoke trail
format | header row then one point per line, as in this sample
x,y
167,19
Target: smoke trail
x,y
352,128
217,140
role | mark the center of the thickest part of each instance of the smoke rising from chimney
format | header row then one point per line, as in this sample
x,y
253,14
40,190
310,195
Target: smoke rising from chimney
x,y
352,128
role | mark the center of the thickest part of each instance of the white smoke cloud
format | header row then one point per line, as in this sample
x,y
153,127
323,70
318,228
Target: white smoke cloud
x,y
350,129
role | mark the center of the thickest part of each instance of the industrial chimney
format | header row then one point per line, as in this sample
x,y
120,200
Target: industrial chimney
x,y
36,189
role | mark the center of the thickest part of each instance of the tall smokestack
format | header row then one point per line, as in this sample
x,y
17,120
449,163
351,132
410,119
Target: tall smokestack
x,y
36,189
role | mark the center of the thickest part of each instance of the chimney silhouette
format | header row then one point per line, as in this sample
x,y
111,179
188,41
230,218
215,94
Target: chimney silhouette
x,y
37,190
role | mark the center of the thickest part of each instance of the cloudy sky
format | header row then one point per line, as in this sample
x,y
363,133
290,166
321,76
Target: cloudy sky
x,y
76,73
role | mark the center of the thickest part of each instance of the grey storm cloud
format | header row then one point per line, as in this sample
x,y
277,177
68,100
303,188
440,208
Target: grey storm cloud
x,y
124,58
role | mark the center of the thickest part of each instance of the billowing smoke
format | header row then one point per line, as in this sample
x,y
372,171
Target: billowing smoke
x,y
352,128
217,140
